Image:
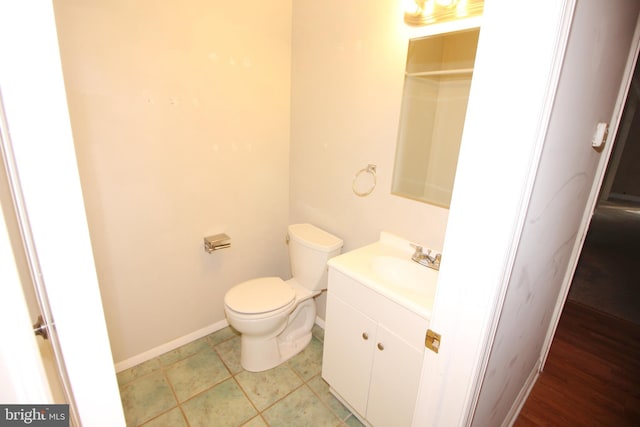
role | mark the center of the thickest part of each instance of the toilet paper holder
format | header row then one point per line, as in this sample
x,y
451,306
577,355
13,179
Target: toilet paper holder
x,y
216,242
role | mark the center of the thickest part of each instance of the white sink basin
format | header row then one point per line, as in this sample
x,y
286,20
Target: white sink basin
x,y
387,268
402,273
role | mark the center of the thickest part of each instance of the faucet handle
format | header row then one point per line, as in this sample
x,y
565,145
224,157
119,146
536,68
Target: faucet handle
x,y
418,248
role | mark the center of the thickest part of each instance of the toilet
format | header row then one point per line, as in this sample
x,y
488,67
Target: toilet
x,y
274,316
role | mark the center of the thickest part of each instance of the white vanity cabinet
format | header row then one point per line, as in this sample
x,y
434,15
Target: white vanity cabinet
x,y
373,351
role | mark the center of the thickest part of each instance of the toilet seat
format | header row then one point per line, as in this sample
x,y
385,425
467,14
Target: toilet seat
x,y
262,296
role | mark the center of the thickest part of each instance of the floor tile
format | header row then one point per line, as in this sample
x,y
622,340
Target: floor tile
x,y
146,398
301,408
137,371
265,388
196,373
229,352
318,332
203,384
308,363
183,352
321,388
353,421
222,335
173,418
223,405
255,422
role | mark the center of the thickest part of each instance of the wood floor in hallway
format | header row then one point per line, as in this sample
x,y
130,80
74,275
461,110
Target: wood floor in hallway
x,y
592,374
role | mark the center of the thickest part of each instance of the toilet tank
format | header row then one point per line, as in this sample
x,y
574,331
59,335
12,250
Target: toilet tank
x,y
309,250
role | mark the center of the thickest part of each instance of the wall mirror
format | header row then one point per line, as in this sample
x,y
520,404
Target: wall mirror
x,y
434,104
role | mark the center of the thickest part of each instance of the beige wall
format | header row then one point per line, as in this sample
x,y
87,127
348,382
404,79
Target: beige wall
x,y
203,117
347,77
181,115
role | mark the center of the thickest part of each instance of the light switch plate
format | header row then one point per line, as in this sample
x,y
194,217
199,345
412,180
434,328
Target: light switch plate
x,y
600,135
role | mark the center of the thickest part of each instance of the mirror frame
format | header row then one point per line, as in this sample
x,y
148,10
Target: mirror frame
x,y
416,34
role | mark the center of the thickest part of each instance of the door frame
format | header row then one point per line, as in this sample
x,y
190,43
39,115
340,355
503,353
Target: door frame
x,y
38,121
21,369
25,261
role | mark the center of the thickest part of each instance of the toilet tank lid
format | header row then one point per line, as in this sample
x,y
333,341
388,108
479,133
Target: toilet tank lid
x,y
313,237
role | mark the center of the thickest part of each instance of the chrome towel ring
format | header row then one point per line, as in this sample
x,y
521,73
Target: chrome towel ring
x,y
370,169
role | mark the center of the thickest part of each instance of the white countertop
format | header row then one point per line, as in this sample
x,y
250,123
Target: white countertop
x,y
405,282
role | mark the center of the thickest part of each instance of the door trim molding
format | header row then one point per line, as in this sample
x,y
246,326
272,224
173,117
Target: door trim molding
x,y
564,29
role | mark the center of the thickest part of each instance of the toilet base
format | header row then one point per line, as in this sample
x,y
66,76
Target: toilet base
x,y
288,349
261,353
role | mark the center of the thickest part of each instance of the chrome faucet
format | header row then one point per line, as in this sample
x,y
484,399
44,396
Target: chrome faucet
x,y
426,259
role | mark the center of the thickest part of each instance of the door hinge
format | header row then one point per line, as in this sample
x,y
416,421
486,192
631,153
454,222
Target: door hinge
x,y
432,341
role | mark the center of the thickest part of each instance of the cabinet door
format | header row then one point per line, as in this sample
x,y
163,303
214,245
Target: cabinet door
x,y
348,349
394,381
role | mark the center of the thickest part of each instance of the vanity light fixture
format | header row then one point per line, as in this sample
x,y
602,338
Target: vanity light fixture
x,y
426,12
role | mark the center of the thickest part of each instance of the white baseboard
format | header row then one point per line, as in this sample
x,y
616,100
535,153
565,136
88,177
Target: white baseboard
x,y
522,396
171,345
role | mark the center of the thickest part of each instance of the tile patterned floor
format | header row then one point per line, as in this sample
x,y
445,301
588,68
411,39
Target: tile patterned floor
x,y
203,384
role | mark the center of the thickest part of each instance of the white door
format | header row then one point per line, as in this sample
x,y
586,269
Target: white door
x,y
545,75
26,300
39,133
22,372
596,64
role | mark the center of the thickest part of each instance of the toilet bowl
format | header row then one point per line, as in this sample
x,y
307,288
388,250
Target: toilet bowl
x,y
275,317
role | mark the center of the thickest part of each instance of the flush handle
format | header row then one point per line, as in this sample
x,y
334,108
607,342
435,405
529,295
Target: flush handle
x,y
40,328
